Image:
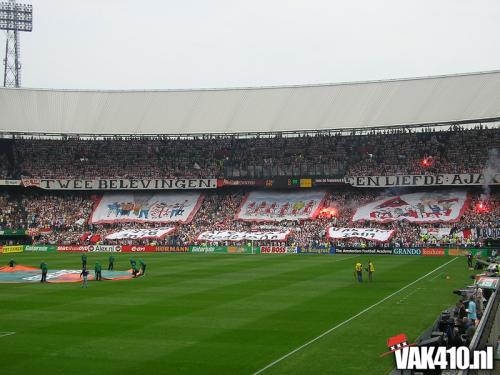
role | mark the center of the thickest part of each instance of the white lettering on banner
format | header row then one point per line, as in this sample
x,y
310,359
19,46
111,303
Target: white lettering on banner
x,y
371,234
445,179
146,207
138,248
133,234
423,207
229,235
278,206
121,184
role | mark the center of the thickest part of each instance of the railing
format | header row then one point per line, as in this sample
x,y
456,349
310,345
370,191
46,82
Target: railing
x,y
486,334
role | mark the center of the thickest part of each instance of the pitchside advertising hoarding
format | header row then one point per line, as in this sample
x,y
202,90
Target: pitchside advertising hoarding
x,y
433,252
123,249
407,251
364,251
224,249
278,250
172,249
72,248
316,250
12,249
246,249
41,248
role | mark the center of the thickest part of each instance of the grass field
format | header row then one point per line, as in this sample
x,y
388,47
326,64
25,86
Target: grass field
x,y
222,314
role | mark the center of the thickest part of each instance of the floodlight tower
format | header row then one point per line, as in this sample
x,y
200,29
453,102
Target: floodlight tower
x,y
14,18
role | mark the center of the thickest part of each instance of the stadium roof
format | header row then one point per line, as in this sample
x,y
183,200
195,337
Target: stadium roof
x,y
450,99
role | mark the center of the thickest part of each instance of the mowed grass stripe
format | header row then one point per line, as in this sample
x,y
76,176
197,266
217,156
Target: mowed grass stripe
x,y
297,320
191,313
269,340
347,321
356,347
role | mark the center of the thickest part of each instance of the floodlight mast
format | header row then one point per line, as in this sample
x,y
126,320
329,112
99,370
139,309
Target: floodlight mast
x,y
14,18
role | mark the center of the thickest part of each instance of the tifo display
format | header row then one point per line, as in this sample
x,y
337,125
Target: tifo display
x,y
328,217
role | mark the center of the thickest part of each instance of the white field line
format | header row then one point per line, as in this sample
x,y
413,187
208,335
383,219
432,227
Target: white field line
x,y
348,320
408,295
3,334
435,277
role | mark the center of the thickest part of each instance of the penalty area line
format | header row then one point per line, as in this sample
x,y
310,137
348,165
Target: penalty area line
x,y
350,319
3,334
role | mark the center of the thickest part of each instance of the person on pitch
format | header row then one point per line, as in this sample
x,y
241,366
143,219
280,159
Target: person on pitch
x,y
111,262
44,268
84,275
469,260
143,267
358,271
12,263
84,261
135,270
132,262
370,269
98,270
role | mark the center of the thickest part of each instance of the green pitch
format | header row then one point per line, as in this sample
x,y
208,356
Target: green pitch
x,y
222,314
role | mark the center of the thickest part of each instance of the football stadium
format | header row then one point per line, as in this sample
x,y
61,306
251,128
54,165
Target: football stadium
x,y
305,229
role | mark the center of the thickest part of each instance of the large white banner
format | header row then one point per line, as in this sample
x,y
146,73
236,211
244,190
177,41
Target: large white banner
x,y
437,233
121,183
278,206
424,207
10,182
146,207
370,234
230,235
443,179
134,234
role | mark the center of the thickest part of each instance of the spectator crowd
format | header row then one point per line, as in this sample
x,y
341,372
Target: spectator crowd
x,y
63,218
382,152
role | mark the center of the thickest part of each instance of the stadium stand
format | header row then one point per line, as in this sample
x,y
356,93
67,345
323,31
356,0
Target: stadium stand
x,y
458,150
62,218
426,126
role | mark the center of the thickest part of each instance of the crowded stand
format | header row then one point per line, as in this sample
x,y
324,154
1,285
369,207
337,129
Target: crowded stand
x,y
65,218
399,151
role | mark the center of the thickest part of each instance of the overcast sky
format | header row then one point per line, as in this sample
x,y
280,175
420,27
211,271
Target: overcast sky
x,y
164,44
